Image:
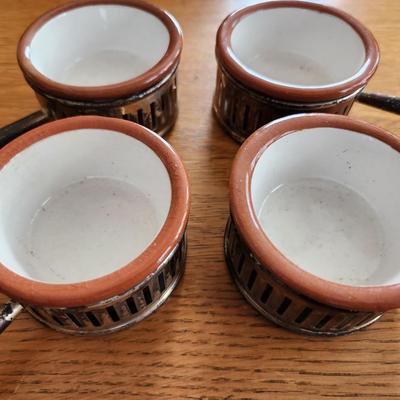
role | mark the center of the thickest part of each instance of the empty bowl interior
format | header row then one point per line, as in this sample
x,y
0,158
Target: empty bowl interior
x,y
327,199
298,46
80,204
98,45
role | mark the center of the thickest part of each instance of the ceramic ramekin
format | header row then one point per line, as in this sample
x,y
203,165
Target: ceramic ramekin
x,y
116,58
284,57
93,213
311,242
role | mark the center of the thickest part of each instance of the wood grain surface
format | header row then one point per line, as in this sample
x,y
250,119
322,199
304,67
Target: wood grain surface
x,y
206,342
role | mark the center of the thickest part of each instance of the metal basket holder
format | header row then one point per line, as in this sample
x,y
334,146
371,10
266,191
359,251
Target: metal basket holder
x,y
279,303
120,311
241,110
156,108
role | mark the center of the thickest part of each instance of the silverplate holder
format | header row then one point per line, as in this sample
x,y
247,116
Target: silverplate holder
x,y
279,303
156,109
113,314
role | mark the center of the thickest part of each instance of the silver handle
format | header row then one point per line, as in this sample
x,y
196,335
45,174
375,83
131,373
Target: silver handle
x,y
8,312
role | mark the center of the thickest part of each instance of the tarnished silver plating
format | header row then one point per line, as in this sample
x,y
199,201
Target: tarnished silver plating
x,y
121,311
279,303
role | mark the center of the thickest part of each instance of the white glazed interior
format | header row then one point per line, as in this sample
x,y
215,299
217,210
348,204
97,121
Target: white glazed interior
x,y
98,45
80,205
298,47
339,219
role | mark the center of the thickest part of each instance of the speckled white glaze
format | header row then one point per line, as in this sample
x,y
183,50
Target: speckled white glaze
x,y
98,45
102,202
298,47
327,199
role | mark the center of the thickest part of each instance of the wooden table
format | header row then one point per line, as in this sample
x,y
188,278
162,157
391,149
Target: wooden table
x,y
206,342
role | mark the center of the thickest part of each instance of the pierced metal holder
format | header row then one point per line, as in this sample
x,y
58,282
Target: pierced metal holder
x,y
120,311
279,303
156,109
241,110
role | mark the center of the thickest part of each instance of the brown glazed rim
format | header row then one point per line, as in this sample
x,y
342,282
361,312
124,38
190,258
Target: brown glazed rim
x,y
225,56
92,291
365,298
123,89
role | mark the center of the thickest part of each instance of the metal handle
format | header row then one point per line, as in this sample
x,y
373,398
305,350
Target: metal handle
x,y
382,101
8,133
17,128
7,314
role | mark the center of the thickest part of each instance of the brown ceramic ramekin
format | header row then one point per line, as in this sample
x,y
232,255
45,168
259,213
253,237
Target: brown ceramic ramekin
x,y
311,242
279,58
115,58
99,241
